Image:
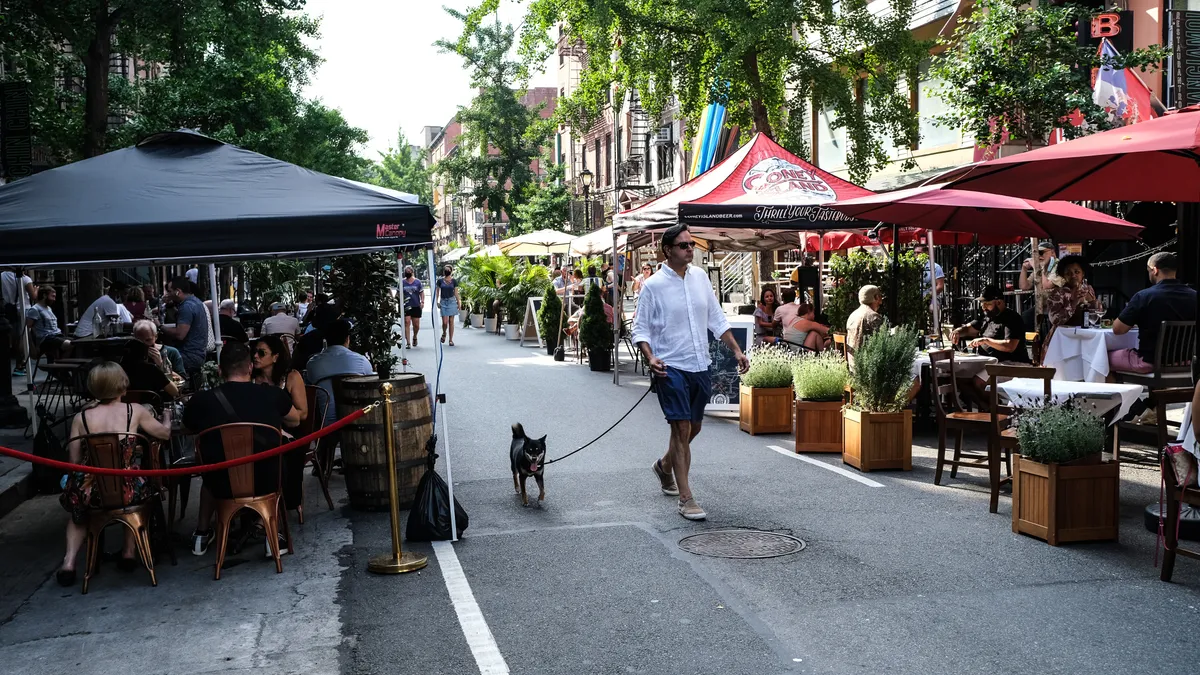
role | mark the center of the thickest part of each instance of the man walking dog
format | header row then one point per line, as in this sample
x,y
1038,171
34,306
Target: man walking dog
x,y
676,310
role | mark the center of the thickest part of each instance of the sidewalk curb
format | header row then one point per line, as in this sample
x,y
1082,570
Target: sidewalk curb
x,y
16,486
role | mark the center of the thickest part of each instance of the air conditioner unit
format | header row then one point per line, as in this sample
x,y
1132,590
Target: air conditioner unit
x,y
662,136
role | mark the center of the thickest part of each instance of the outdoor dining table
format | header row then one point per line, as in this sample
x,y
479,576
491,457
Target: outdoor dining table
x,y
965,365
1029,391
1081,354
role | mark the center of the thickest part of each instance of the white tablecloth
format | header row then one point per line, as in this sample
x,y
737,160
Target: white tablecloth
x,y
965,365
1029,391
1081,354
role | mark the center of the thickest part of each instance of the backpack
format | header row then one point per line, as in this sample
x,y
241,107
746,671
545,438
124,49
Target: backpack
x,y
47,443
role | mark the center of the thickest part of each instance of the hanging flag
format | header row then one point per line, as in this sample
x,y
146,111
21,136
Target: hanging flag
x,y
1121,93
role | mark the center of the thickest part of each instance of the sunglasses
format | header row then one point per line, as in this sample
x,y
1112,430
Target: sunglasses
x,y
262,352
685,245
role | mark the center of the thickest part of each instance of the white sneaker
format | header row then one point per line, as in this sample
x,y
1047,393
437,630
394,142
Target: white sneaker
x,y
200,541
283,547
688,508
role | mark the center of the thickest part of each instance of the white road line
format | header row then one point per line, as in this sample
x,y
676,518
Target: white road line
x,y
475,629
836,469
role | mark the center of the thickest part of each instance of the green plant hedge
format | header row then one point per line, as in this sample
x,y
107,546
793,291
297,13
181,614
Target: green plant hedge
x,y
882,372
770,367
820,377
861,268
1059,433
595,331
550,323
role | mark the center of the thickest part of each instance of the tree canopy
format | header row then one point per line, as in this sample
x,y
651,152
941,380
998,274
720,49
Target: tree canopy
x,y
548,206
767,60
401,168
501,136
232,69
1018,69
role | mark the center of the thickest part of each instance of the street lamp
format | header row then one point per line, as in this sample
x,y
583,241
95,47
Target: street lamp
x,y
585,179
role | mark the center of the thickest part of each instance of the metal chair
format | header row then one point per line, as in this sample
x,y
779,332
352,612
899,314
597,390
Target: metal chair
x,y
237,441
144,397
314,421
104,450
1173,354
1002,438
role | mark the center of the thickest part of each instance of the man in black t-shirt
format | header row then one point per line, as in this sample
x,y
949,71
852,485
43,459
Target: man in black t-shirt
x,y
238,399
1000,334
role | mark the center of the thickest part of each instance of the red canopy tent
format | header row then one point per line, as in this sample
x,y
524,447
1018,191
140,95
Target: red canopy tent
x,y
754,200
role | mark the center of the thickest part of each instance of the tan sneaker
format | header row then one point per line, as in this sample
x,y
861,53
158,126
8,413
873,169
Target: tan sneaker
x,y
667,479
688,508
1149,417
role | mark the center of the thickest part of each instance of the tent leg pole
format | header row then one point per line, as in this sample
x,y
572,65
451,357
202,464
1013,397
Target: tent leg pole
x,y
449,475
403,320
937,318
216,307
432,295
821,273
893,301
616,297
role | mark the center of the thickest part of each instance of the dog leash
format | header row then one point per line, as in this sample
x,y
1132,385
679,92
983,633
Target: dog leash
x,y
614,426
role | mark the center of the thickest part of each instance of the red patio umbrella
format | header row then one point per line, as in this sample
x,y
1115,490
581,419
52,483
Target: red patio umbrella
x,y
935,208
1156,160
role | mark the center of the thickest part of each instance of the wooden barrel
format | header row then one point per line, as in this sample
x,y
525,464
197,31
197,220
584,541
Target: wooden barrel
x,y
364,444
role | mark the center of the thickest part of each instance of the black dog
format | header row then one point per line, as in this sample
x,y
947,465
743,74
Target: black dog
x,y
528,457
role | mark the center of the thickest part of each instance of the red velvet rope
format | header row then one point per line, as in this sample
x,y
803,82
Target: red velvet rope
x,y
187,470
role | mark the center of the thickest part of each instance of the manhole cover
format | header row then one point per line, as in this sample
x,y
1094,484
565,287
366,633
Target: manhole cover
x,y
741,544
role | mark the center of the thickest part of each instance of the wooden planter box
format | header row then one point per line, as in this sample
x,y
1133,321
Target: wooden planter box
x,y
1066,502
818,426
765,411
872,441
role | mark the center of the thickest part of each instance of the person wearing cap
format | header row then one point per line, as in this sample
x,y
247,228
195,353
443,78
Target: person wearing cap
x,y
230,326
1000,333
865,320
1046,265
280,323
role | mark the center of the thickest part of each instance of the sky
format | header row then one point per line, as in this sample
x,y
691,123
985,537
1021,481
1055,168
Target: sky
x,y
383,72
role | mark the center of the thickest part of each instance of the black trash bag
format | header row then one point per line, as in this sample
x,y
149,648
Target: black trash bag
x,y
429,518
48,480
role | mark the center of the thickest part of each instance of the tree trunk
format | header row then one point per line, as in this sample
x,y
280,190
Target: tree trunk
x,y
95,123
758,109
766,268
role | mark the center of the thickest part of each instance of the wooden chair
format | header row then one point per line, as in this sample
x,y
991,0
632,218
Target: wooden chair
x,y
1002,439
237,440
314,421
952,417
839,343
1172,358
1189,494
289,342
104,450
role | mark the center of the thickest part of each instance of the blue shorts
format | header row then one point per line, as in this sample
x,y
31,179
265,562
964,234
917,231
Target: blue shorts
x,y
683,395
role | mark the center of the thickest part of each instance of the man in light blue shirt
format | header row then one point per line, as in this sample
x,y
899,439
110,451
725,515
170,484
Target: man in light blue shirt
x,y
334,361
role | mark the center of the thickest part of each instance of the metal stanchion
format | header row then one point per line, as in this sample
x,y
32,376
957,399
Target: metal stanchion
x,y
398,561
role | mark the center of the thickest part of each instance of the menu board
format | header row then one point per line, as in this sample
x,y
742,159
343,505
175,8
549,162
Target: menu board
x,y
724,370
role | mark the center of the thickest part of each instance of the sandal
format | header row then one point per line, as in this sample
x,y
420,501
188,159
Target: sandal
x,y
452,343
65,578
443,337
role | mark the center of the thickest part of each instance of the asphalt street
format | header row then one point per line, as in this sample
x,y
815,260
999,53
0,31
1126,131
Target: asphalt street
x,y
898,575
906,577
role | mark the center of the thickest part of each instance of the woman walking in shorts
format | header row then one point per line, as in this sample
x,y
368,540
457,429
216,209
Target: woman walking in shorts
x,y
448,299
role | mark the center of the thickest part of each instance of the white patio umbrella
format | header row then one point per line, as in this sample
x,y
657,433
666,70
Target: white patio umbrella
x,y
541,242
492,251
456,254
599,242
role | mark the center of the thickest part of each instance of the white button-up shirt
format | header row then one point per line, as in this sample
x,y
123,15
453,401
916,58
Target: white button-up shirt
x,y
674,316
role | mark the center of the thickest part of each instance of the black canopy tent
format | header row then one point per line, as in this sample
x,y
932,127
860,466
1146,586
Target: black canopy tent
x,y
182,196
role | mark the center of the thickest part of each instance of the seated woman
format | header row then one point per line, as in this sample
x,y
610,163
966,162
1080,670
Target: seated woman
x,y
805,330
764,317
273,368
1071,294
144,374
108,384
135,302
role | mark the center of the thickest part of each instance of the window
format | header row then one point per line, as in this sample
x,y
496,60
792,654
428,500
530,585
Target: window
x,y
929,106
666,160
560,59
608,154
831,143
596,172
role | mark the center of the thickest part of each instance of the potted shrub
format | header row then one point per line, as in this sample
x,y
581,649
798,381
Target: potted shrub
x,y
820,385
876,425
363,286
550,323
1061,490
596,332
765,392
521,283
